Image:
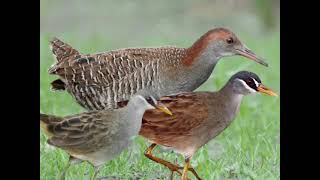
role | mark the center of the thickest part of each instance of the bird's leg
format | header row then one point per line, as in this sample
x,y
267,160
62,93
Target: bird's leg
x,y
96,171
193,172
190,169
72,161
148,154
185,169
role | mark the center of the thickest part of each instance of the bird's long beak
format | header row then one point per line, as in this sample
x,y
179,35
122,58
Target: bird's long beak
x,y
263,89
246,52
163,108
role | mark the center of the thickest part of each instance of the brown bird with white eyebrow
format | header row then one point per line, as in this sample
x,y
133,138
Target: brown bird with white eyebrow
x,y
197,118
102,80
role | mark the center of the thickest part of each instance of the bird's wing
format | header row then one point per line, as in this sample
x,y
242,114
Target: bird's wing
x,y
188,111
107,67
115,75
83,133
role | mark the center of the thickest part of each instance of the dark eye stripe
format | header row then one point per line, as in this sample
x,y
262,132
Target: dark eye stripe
x,y
151,101
251,84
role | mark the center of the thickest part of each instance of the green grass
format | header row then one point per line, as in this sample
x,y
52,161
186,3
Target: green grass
x,y
248,149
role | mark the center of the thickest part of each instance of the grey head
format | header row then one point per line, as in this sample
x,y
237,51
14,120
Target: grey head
x,y
245,82
140,103
221,42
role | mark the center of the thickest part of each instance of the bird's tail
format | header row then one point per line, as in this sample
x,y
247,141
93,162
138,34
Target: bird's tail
x,y
62,50
46,121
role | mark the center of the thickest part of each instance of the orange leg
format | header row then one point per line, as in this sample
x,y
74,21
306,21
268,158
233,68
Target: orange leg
x,y
193,172
148,154
187,168
190,169
172,167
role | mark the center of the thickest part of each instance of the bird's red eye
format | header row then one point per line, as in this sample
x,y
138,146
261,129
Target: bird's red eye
x,y
230,40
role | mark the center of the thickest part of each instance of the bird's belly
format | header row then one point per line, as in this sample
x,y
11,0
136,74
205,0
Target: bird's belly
x,y
104,154
188,145
186,152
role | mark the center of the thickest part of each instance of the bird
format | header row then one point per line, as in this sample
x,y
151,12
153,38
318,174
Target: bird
x,y
197,118
102,80
97,136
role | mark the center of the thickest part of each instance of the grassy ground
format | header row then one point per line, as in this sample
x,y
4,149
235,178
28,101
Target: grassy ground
x,y
248,149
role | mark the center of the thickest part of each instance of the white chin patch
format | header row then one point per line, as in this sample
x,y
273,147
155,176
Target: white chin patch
x,y
247,87
225,54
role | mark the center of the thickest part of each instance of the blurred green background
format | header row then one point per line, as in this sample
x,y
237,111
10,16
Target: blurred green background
x,y
248,149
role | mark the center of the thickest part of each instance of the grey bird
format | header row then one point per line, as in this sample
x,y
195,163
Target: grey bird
x,y
102,80
197,118
97,136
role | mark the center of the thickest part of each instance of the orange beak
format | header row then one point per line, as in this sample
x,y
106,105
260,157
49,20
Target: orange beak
x,y
163,108
263,89
160,106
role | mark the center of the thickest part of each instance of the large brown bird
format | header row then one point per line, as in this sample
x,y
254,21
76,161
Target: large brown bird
x,y
197,118
102,80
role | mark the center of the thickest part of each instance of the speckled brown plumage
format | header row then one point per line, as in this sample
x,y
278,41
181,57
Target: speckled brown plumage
x,y
99,81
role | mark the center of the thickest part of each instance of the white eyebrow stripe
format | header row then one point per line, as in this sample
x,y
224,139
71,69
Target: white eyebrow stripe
x,y
246,86
255,82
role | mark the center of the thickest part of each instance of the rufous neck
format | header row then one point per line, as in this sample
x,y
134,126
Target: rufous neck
x,y
203,50
200,61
